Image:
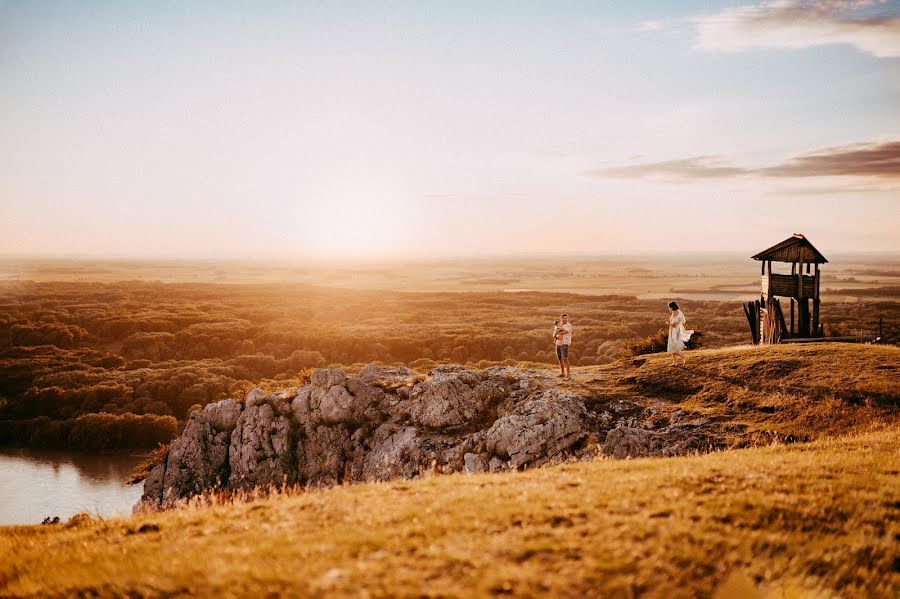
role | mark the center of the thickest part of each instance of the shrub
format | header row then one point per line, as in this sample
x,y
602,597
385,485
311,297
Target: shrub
x,y
658,342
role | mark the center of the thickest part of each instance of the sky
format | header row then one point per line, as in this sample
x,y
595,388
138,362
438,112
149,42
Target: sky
x,y
425,129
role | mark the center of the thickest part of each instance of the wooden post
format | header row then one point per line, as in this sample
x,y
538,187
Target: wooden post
x,y
792,316
751,311
780,326
793,272
815,330
802,306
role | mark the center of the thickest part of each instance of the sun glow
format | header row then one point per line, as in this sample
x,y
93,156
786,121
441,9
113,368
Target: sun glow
x,y
357,226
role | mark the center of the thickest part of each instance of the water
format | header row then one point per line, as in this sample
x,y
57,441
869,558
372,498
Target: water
x,y
38,484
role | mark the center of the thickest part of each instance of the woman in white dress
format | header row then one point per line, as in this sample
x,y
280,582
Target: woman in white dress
x,y
678,335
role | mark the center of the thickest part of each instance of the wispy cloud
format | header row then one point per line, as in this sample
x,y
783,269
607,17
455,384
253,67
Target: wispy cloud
x,y
880,160
695,167
872,26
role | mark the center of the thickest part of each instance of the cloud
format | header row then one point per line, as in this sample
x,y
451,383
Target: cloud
x,y
872,26
881,160
696,167
877,160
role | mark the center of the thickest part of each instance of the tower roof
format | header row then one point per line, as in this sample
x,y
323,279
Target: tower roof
x,y
796,248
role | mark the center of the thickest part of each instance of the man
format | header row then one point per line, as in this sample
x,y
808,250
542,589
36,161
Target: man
x,y
563,338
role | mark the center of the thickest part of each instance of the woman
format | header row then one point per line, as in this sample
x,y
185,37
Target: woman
x,y
678,336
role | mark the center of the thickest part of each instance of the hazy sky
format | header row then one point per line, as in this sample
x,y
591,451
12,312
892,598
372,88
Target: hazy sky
x,y
283,129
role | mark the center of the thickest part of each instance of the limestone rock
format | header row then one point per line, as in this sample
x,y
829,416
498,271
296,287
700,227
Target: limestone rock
x,y
453,396
395,453
253,397
300,408
381,424
197,460
323,453
335,405
538,429
327,378
260,451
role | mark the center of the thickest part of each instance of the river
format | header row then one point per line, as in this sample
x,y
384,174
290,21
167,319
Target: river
x,y
38,484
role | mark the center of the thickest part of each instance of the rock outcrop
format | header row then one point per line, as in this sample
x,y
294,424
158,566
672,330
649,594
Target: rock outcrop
x,y
378,425
387,422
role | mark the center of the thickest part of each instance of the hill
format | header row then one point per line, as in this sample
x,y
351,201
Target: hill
x,y
820,516
382,423
804,518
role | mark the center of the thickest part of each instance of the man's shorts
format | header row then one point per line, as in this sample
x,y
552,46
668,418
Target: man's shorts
x,y
562,351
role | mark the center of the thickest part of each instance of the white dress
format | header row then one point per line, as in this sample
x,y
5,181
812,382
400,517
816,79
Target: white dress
x,y
678,335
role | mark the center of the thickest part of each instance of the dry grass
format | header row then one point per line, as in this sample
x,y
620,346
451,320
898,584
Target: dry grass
x,y
812,519
786,392
804,520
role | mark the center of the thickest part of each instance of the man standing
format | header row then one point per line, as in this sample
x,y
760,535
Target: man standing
x,y
563,339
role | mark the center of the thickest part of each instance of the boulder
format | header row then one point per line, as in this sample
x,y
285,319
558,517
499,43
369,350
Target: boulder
x,y
326,378
453,396
395,453
538,429
253,397
335,406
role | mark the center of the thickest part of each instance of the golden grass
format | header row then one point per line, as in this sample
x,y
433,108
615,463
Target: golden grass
x,y
799,392
787,520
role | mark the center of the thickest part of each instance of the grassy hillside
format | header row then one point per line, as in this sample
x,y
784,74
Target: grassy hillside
x,y
756,395
803,519
816,517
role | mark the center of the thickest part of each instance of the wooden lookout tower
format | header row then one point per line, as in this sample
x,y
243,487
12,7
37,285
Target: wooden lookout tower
x,y
801,287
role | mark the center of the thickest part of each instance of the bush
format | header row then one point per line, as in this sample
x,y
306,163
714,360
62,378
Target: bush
x,y
657,342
